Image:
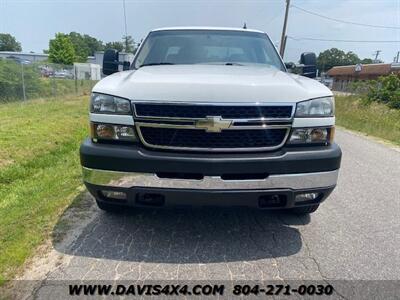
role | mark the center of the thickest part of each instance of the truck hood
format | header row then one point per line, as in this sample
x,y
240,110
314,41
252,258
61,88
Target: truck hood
x,y
211,83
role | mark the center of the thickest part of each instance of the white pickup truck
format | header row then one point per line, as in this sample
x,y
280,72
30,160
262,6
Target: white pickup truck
x,y
210,116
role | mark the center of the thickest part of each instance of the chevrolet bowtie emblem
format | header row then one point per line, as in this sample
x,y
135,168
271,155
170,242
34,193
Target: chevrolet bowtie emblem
x,y
213,124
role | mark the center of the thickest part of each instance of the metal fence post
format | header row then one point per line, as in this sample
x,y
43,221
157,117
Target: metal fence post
x,y
76,80
23,81
53,86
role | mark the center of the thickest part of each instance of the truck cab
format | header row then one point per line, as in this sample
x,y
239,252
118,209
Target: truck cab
x,y
210,116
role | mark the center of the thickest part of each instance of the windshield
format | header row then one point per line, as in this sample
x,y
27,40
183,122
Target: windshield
x,y
207,47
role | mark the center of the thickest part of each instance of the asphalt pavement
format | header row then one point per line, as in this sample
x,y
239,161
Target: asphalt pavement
x,y
355,235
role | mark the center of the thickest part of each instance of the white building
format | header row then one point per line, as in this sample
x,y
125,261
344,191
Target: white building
x,y
87,71
24,56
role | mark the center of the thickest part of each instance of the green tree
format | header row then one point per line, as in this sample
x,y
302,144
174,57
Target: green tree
x,y
80,47
84,45
350,58
93,44
336,57
9,43
386,89
61,50
129,44
367,61
119,46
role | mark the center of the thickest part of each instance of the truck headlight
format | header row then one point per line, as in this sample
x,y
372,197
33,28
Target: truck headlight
x,y
106,104
320,107
113,132
318,135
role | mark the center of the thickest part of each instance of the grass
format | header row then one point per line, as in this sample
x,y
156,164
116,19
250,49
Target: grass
x,y
375,119
39,173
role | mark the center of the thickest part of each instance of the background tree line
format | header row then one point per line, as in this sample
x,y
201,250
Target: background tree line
x,y
335,57
76,47
72,47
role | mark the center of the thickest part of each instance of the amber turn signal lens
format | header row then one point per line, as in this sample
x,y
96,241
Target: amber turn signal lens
x,y
331,134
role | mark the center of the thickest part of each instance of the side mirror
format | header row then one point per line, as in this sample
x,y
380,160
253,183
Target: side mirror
x,y
110,61
309,62
126,65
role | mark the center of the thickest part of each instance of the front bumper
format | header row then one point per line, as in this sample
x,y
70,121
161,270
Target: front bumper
x,y
298,181
136,171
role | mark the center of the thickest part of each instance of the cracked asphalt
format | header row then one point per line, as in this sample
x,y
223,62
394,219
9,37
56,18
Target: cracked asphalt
x,y
354,235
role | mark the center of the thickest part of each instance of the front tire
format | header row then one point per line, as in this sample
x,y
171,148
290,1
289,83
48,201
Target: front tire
x,y
304,210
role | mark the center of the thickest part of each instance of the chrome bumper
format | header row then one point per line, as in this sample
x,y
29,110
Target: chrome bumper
x,y
298,181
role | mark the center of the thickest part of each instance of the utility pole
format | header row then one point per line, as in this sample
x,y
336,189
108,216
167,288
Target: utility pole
x,y
377,52
126,27
283,38
397,57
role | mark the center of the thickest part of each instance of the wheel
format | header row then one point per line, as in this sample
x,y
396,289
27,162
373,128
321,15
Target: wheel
x,y
304,209
109,207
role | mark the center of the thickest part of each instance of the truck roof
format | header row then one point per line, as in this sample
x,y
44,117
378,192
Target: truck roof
x,y
206,28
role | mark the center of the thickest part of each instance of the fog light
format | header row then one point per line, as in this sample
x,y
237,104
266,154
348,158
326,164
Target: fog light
x,y
306,197
114,195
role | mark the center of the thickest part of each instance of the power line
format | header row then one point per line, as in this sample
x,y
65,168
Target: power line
x,y
338,40
274,18
343,21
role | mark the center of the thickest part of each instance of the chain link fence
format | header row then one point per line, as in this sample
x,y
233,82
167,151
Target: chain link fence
x,y
22,80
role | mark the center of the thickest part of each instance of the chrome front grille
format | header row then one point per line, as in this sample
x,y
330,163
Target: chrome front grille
x,y
224,111
213,127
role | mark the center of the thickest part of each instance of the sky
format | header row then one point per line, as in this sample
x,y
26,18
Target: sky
x,y
34,22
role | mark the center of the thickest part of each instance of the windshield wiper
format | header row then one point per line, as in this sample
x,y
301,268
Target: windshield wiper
x,y
233,64
156,64
217,63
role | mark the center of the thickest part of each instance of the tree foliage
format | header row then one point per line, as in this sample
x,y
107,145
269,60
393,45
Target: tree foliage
x,y
386,89
9,43
335,57
61,50
126,45
119,46
93,44
129,44
81,49
366,61
84,45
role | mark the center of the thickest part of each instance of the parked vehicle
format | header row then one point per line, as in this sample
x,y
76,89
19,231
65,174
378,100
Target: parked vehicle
x,y
210,116
62,74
